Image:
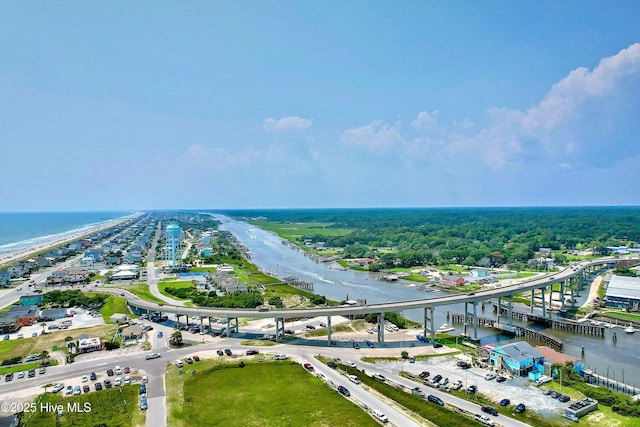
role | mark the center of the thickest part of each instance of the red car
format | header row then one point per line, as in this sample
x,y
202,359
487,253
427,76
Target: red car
x,y
196,357
127,370
308,367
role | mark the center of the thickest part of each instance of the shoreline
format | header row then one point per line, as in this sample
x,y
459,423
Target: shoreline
x,y
23,253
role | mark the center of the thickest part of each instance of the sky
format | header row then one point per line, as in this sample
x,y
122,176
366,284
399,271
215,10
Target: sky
x,y
291,104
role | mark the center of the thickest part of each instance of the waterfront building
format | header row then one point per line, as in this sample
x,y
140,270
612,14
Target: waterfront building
x,y
623,292
518,357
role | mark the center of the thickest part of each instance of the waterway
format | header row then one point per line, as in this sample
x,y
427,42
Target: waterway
x,y
620,357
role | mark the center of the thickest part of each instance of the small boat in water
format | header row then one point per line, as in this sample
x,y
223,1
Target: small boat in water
x,y
629,329
445,328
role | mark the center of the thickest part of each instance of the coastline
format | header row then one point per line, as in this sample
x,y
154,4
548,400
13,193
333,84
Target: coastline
x,y
23,253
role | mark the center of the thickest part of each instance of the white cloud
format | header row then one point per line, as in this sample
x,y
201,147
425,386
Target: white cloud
x,y
425,119
572,121
376,136
285,124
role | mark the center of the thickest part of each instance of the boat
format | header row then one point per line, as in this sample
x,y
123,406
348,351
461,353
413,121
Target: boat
x,y
629,329
445,328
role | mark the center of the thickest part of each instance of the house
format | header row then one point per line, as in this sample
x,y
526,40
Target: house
x,y
88,345
5,278
479,272
119,318
31,300
362,262
9,323
18,270
133,332
455,282
52,314
70,276
124,275
518,357
25,315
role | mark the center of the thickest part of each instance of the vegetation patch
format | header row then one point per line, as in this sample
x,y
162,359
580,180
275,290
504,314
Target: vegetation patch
x,y
141,290
112,305
116,407
261,393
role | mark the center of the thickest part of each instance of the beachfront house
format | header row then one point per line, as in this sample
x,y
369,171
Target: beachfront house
x,y
30,300
119,318
5,278
87,345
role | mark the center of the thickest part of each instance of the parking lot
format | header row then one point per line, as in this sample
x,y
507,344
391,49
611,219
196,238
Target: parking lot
x,y
516,389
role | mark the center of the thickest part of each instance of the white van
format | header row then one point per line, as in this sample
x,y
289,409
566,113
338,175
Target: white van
x,y
179,363
379,415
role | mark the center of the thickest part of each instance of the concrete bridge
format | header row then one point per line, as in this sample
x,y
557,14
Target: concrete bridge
x,y
570,280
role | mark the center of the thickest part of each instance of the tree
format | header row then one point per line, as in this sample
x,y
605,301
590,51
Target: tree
x,y
44,358
176,338
44,325
405,354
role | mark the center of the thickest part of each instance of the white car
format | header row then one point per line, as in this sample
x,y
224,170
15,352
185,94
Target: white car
x,y
85,378
281,357
144,379
350,363
489,376
118,381
118,370
127,380
56,388
457,385
354,379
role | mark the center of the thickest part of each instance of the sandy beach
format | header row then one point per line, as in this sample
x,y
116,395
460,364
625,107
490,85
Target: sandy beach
x,y
24,253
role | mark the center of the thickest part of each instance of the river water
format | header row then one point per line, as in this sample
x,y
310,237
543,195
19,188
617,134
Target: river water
x,y
620,357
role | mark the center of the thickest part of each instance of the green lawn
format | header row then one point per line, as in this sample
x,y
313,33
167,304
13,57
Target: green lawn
x,y
623,315
141,290
113,305
260,394
416,278
115,407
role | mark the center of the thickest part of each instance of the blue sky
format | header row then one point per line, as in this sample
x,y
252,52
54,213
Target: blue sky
x,y
236,104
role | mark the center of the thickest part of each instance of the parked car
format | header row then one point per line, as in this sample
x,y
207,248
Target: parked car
x,y
379,377
127,380
564,398
424,374
20,375
159,334
252,352
484,420
463,365
281,357
127,370
144,379
148,357
505,402
42,370
69,390
110,371
196,357
500,379
350,363
32,373
56,388
228,351
85,378
308,367
220,352
472,389
118,381
436,379
93,376
142,389
489,376
76,390
118,370
379,415
520,408
344,391
85,388
144,405
332,365
107,383
98,386
188,360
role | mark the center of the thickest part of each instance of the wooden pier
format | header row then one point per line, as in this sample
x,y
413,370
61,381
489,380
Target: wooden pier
x,y
578,327
518,331
521,315
298,283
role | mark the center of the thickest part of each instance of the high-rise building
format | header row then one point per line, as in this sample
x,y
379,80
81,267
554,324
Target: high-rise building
x,y
172,250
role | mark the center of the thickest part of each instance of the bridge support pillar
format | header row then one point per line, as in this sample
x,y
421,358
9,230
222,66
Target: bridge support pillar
x,y
429,314
562,284
329,329
475,320
279,329
510,310
381,327
544,304
533,293
499,309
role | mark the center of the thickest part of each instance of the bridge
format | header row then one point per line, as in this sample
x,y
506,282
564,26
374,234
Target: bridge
x,y
570,279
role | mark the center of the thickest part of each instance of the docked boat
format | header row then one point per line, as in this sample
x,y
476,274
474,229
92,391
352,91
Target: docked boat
x,y
629,329
445,328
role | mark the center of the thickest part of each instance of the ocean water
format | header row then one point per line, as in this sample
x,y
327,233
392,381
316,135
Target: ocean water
x,y
20,230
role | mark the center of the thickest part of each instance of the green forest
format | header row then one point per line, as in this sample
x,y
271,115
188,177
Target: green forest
x,y
487,237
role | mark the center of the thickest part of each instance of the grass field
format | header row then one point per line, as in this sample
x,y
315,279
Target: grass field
x,y
115,407
142,291
112,305
295,231
260,394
